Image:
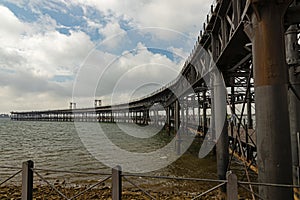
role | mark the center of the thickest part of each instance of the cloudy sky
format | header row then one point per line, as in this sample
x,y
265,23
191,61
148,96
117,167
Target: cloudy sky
x,y
56,51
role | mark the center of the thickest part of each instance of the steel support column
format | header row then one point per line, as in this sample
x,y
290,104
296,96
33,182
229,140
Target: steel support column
x,y
146,116
204,112
220,126
193,107
168,124
176,126
233,109
236,12
182,117
292,51
155,117
249,109
186,115
198,111
224,32
271,84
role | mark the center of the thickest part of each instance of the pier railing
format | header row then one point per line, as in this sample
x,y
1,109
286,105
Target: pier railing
x,y
116,179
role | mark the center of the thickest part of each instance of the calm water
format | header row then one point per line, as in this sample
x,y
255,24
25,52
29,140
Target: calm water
x,y
51,145
56,145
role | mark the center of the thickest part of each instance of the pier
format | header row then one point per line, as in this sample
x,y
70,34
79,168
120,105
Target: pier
x,y
255,46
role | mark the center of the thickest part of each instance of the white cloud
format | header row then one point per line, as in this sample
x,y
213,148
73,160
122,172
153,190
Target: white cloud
x,y
11,28
114,33
93,24
33,54
24,91
111,29
134,73
38,47
178,52
49,52
183,16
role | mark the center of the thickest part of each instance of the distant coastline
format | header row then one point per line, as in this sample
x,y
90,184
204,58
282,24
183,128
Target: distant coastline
x,y
4,116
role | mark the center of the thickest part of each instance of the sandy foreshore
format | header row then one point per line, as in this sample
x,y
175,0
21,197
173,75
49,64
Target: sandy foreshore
x,y
187,166
104,192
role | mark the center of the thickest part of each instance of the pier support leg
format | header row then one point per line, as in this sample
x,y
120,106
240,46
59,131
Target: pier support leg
x,y
220,127
176,127
204,113
222,155
198,112
168,125
193,120
233,110
186,120
249,109
271,85
182,115
292,51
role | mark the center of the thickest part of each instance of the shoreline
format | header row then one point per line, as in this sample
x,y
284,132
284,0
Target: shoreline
x,y
100,192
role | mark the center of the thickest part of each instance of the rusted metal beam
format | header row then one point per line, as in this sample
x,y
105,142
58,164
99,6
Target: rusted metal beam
x,y
271,84
234,49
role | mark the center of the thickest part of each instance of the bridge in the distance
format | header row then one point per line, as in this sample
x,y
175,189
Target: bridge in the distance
x,y
255,46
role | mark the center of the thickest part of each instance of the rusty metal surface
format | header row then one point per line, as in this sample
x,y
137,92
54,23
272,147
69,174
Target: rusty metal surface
x,y
271,84
268,52
292,51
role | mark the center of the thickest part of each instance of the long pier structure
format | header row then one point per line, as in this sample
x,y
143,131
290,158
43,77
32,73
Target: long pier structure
x,y
255,46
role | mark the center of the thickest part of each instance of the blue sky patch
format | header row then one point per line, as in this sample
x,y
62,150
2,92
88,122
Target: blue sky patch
x,y
22,13
64,31
62,78
9,71
167,53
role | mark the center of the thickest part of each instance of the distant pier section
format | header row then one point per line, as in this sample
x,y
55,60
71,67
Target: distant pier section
x,y
97,114
127,113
